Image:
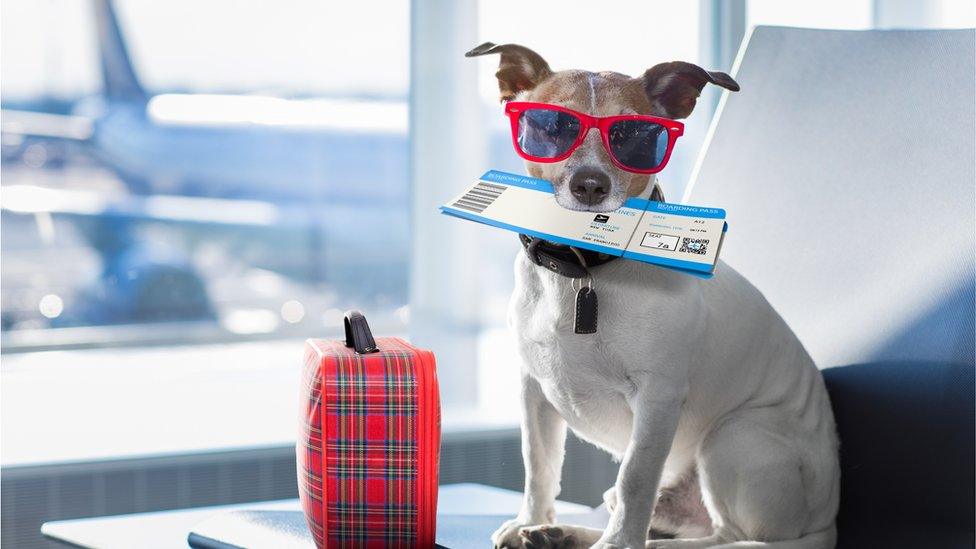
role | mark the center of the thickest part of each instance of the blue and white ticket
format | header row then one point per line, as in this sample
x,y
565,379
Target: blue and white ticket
x,y
678,236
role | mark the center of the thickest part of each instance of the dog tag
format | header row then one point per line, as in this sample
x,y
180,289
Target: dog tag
x,y
586,309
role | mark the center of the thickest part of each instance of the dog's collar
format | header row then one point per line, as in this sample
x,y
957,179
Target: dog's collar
x,y
561,259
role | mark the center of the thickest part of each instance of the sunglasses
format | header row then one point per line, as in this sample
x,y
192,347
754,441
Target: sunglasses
x,y
549,133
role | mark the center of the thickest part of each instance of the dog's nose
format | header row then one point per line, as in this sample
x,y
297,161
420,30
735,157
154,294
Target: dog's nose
x,y
590,186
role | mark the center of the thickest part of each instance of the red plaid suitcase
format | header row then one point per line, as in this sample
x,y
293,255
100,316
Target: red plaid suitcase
x,y
369,445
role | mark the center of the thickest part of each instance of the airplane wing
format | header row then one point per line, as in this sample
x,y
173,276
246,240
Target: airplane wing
x,y
39,124
32,199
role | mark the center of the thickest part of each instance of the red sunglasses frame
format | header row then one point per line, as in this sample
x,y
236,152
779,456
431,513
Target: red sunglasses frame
x,y
514,109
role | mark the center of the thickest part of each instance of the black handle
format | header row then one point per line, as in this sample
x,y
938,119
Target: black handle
x,y
358,335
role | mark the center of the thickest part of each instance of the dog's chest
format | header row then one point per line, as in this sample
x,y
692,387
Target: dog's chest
x,y
574,370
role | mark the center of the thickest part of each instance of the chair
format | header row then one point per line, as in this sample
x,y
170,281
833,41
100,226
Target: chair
x,y
846,165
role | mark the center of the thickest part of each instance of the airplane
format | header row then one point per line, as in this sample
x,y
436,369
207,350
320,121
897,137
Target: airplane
x,y
313,189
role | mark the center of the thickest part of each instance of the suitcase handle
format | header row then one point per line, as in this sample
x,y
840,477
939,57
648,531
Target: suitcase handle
x,y
358,335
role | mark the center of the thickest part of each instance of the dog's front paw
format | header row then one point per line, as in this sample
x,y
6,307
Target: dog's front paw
x,y
507,535
551,537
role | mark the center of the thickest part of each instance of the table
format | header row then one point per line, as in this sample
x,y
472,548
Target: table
x,y
467,515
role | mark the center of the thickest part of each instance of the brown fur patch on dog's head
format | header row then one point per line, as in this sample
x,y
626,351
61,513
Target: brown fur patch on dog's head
x,y
668,90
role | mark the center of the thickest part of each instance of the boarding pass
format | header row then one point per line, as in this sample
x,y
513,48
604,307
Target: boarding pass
x,y
677,236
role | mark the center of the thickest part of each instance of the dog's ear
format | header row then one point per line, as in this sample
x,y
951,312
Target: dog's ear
x,y
520,68
674,87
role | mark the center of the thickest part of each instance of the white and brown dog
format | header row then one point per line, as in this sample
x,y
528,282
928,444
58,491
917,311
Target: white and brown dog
x,y
719,416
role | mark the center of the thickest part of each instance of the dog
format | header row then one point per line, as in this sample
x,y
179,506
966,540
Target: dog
x,y
718,415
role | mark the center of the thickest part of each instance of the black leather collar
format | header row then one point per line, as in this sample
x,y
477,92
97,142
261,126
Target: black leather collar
x,y
567,261
570,261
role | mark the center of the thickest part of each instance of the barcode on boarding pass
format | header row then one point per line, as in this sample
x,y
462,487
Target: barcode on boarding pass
x,y
480,197
694,245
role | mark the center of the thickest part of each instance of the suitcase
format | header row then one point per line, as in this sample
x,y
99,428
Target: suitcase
x,y
369,441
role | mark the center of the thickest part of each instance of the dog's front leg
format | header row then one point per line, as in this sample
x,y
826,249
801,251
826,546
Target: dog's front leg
x,y
656,405
543,446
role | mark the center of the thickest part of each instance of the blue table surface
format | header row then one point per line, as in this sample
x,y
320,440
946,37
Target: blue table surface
x,y
467,515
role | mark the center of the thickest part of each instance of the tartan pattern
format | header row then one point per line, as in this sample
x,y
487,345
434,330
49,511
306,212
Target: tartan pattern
x,y
367,405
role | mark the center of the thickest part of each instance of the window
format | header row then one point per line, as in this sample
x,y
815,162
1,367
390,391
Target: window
x,y
279,47
239,172
863,14
829,14
258,186
248,184
49,51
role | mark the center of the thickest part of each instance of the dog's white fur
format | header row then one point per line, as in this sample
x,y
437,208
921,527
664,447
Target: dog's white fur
x,y
698,386
684,375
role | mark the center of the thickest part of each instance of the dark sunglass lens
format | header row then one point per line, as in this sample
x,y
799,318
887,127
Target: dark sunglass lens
x,y
547,134
638,144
